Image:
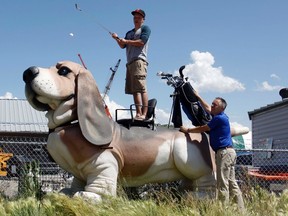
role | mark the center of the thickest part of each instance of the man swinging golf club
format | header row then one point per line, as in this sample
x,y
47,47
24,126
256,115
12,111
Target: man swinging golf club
x,y
136,44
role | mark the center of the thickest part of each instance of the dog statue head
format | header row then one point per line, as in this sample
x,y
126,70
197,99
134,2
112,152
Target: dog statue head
x,y
68,93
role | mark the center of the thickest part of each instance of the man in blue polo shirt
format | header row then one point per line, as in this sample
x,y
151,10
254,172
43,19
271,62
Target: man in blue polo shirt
x,y
221,143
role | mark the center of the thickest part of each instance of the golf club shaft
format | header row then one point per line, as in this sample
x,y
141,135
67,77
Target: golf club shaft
x,y
98,23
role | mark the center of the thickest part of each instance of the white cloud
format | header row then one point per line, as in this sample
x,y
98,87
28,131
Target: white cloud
x,y
162,117
8,95
274,76
112,106
204,77
236,124
265,86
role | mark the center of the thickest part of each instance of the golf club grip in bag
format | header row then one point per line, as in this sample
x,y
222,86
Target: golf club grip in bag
x,y
191,105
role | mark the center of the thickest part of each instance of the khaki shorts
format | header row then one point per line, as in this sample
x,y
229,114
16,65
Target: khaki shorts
x,y
136,73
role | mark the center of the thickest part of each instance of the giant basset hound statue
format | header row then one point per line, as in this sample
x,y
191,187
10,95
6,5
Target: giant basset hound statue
x,y
100,153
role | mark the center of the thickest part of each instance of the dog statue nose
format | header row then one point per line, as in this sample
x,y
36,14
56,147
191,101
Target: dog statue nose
x,y
30,73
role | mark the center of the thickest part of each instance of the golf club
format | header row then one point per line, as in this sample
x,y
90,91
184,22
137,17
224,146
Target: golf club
x,y
98,23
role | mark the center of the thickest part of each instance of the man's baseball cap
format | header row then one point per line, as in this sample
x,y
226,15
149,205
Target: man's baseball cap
x,y
139,11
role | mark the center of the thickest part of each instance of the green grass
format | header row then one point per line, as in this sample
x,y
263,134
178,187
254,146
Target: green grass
x,y
258,202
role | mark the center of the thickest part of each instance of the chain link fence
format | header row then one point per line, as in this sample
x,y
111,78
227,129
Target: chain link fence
x,y
265,168
32,165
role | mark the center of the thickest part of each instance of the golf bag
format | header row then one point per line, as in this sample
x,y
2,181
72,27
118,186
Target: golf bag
x,y
184,97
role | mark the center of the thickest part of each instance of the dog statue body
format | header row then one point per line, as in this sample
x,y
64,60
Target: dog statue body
x,y
100,153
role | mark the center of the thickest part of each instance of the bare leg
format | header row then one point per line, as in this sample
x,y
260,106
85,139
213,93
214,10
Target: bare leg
x,y
138,101
144,103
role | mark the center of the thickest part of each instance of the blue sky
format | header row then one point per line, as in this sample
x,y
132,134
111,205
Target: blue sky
x,y
234,49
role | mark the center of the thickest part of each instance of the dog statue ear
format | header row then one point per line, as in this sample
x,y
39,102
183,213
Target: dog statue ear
x,y
95,125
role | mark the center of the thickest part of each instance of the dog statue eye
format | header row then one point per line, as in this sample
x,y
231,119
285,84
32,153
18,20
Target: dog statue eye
x,y
63,71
